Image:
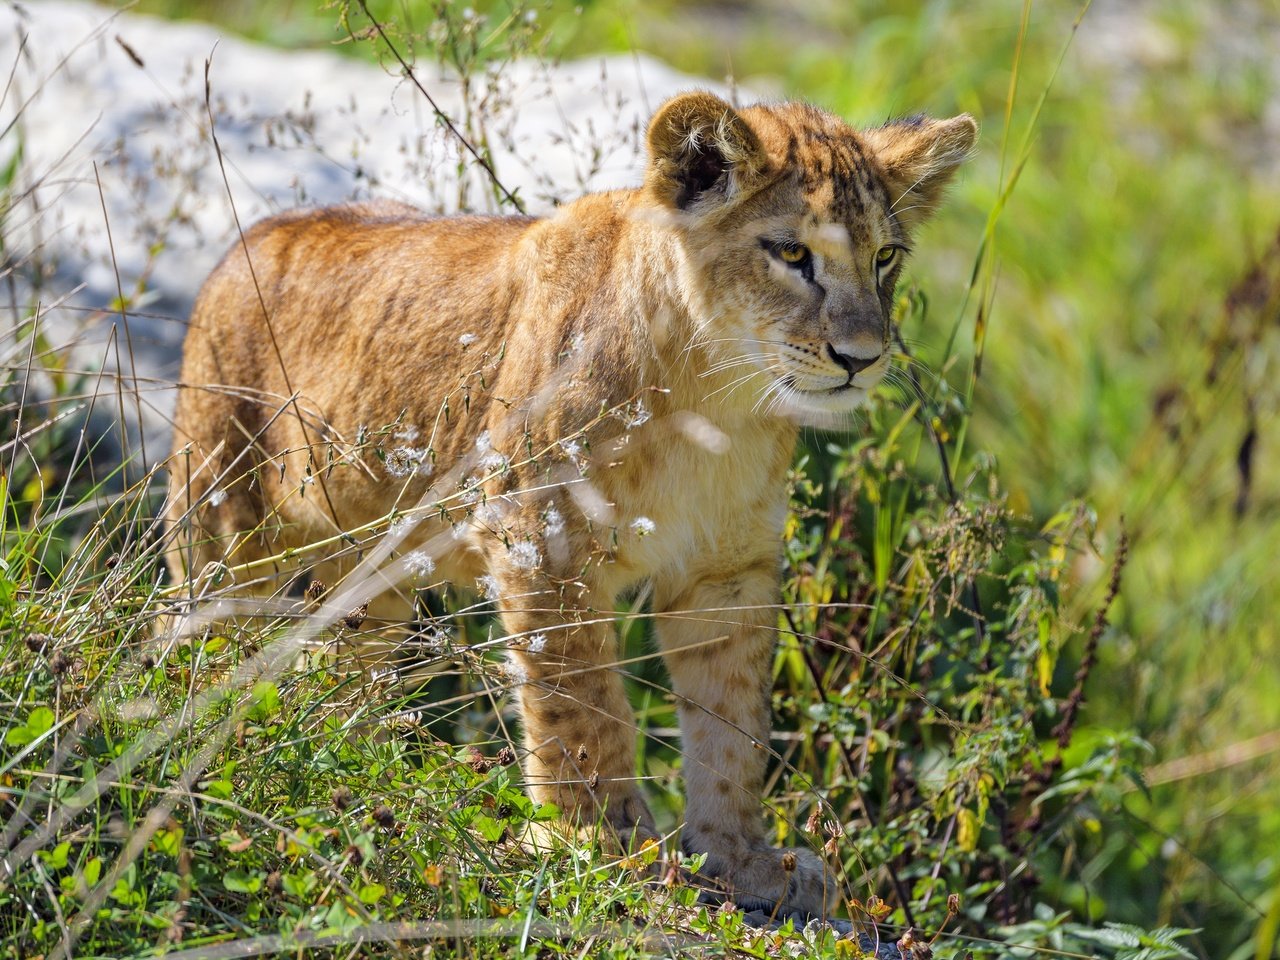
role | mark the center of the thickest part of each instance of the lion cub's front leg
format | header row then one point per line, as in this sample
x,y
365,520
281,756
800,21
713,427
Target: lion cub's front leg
x,y
579,729
717,637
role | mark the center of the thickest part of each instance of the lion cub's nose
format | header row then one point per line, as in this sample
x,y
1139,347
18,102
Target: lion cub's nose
x,y
850,364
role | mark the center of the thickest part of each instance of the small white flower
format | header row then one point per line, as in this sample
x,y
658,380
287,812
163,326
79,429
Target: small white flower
x,y
524,555
436,639
405,461
420,564
537,643
493,461
489,513
555,522
217,498
635,415
643,526
467,339
489,587
573,450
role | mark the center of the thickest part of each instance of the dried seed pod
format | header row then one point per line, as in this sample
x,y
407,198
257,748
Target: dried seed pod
x,y
384,816
315,590
341,797
479,762
506,756
789,862
356,617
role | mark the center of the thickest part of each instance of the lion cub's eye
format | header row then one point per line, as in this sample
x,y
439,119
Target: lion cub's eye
x,y
795,254
885,255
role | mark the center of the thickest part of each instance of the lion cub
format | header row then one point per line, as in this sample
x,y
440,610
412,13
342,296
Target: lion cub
x,y
564,408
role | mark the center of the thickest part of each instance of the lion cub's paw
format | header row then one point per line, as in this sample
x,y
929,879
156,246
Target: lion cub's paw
x,y
793,880
630,820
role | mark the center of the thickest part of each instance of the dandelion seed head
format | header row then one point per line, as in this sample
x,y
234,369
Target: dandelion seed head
x,y
409,434
516,671
553,520
401,525
467,339
524,555
489,587
420,564
405,461
217,498
643,526
490,513
537,643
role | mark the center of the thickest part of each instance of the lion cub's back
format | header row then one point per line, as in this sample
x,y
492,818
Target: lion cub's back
x,y
311,298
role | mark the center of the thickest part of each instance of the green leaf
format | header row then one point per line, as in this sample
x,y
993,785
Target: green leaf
x,y
219,788
39,722
489,828
238,881
56,858
266,701
545,812
299,885
371,893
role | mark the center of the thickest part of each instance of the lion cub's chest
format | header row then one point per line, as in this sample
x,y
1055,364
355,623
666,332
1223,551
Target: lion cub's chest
x,y
690,495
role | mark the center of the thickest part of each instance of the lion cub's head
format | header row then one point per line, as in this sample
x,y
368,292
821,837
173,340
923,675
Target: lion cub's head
x,y
796,227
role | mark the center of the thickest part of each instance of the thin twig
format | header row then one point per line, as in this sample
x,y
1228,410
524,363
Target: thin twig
x,y
440,114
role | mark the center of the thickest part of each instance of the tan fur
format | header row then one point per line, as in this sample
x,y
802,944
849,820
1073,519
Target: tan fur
x,y
638,359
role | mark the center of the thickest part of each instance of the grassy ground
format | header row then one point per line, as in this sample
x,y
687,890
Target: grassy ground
x,y
1074,302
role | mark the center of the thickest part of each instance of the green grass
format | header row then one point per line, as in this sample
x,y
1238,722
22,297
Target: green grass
x,y
1102,287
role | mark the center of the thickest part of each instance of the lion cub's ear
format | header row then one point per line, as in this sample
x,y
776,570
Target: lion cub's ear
x,y
701,153
919,156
